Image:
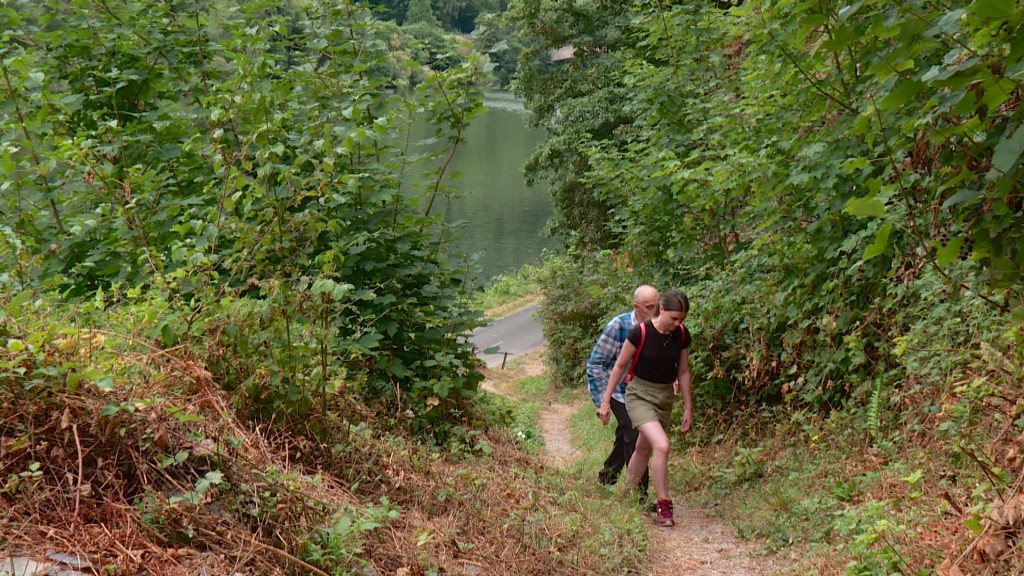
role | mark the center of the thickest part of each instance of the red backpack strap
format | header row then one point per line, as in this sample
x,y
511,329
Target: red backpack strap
x,y
636,356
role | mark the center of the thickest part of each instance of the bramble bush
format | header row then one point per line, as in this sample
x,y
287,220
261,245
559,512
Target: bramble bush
x,y
243,162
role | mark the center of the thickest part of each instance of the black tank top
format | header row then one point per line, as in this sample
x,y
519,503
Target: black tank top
x,y
659,357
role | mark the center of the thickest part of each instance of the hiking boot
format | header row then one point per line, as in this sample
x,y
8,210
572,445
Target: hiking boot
x,y
664,513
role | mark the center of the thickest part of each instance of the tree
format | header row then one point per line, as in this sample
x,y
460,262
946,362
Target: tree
x,y
799,161
420,12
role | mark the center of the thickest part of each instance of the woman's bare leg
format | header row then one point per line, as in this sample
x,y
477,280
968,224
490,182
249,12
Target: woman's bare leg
x,y
637,462
655,444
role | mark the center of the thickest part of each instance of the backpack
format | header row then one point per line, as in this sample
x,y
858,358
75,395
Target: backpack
x,y
636,355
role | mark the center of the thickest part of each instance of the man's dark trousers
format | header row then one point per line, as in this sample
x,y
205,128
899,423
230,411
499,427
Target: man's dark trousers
x,y
622,450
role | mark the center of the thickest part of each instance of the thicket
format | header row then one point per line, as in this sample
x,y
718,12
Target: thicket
x,y
223,271
837,187
132,457
226,155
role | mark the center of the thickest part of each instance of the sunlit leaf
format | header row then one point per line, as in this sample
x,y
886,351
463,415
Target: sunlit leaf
x,y
865,208
949,252
881,242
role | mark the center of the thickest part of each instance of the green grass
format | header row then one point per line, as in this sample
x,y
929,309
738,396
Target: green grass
x,y
593,439
509,292
610,532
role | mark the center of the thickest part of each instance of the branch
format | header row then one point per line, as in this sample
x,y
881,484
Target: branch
x,y
32,148
451,153
849,108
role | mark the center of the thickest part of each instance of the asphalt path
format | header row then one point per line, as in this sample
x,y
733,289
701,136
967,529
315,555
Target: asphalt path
x,y
513,335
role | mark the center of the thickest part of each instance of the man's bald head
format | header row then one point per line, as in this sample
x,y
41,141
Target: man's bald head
x,y
645,302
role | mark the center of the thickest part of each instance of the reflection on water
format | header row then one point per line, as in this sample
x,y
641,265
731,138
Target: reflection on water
x,y
503,218
504,101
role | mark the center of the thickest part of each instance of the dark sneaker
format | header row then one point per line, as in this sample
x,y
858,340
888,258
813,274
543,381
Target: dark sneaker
x,y
663,515
641,497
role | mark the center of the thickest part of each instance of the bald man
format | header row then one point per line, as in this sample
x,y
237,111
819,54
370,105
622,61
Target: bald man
x,y
599,368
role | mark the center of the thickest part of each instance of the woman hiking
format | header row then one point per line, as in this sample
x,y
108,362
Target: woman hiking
x,y
656,354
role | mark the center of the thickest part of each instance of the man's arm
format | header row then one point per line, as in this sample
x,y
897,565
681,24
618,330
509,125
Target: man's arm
x,y
618,373
602,359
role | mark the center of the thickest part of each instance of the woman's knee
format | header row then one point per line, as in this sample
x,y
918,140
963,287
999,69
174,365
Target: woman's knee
x,y
659,446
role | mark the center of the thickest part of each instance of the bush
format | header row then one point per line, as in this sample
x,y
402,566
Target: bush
x,y
582,292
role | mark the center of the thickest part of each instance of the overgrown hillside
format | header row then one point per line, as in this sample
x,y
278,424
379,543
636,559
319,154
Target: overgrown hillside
x,y
837,188
232,328
134,458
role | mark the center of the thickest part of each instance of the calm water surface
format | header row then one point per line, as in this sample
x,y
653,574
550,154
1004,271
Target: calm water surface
x,y
504,219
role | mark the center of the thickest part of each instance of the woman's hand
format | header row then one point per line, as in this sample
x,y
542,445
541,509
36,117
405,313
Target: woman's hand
x,y
687,422
604,412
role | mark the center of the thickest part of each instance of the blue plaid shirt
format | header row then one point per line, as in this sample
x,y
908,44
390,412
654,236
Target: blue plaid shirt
x,y
606,352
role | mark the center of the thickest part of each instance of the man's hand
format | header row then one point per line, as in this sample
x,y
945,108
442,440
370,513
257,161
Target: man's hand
x,y
604,412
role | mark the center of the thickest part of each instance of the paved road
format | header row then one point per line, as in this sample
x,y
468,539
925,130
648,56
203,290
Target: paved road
x,y
515,334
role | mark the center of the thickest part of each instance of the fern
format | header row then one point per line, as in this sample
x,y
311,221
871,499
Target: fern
x,y
874,404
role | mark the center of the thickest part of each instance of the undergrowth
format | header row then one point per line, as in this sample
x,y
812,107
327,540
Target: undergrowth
x,y
133,455
510,291
874,442
926,481
615,532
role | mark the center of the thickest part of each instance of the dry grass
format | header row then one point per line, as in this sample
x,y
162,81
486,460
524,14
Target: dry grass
x,y
836,502
81,478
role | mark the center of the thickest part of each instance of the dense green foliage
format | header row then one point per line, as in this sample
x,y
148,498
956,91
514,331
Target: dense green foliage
x,y
837,187
451,15
808,159
249,164
420,12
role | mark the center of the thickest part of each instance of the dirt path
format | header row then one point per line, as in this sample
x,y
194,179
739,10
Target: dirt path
x,y
698,545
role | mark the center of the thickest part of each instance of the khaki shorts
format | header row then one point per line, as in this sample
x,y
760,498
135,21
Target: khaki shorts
x,y
649,402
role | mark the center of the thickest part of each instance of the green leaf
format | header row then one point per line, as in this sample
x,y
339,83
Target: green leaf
x,y
167,336
852,164
847,11
397,368
15,345
182,416
965,195
993,8
370,340
881,242
903,93
974,524
914,478
20,299
865,208
1008,151
948,254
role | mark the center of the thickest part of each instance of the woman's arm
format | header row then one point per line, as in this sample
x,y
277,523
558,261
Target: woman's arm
x,y
621,366
683,377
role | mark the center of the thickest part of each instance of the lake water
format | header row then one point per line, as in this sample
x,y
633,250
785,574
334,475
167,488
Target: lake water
x,y
504,219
